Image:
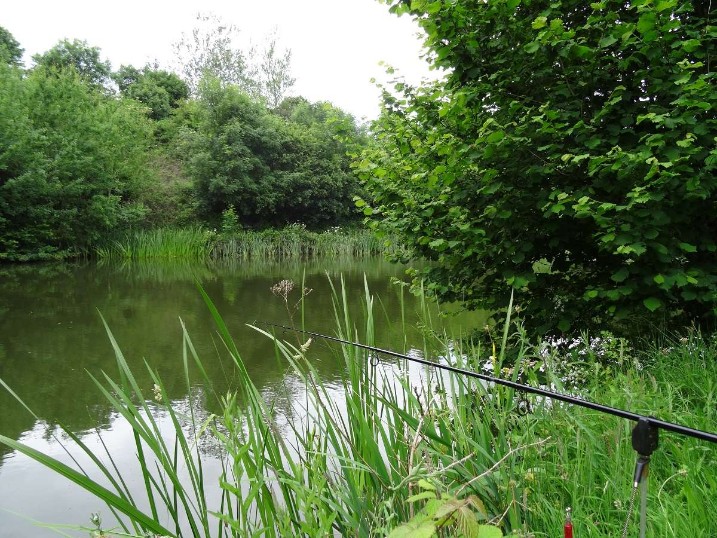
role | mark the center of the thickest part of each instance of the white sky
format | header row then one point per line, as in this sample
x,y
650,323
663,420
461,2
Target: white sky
x,y
336,44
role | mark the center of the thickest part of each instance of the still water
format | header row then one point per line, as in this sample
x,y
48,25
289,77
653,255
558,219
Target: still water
x,y
52,338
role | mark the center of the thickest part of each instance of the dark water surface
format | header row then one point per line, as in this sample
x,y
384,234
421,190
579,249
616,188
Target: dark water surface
x,y
51,336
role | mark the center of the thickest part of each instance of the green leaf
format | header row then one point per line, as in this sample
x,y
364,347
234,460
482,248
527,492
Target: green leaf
x,y
414,529
489,531
512,4
607,41
518,282
591,294
691,45
496,136
540,22
542,267
433,8
421,496
620,275
532,47
581,51
646,23
447,508
659,279
426,485
652,303
664,5
687,247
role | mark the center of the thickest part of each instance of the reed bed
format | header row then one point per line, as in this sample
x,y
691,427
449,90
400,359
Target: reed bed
x,y
405,451
160,243
293,242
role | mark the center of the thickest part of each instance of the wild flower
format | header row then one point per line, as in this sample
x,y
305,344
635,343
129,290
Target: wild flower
x,y
283,289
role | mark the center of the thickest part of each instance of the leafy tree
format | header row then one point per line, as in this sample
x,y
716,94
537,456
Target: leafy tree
x,y
568,153
270,169
76,55
72,162
10,50
161,91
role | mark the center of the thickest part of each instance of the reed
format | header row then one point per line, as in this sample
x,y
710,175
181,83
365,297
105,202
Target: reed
x,y
293,242
296,242
402,450
160,243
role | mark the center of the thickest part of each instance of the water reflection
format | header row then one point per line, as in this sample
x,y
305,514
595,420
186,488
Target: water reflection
x,y
51,336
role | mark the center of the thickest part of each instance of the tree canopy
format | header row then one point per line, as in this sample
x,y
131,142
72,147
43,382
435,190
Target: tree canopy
x,y
72,161
76,55
87,154
161,91
272,168
569,153
10,50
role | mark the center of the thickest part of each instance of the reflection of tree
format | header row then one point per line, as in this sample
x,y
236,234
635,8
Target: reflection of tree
x,y
52,335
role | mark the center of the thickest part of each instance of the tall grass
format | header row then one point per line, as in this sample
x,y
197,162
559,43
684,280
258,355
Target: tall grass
x,y
292,242
162,243
296,242
402,450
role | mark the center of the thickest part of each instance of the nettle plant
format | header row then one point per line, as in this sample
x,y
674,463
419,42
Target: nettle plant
x,y
568,152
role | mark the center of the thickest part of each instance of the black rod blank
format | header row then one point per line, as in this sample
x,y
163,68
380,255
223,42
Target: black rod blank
x,y
614,411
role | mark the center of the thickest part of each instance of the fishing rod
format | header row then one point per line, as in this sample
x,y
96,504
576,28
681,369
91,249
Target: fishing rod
x,y
622,413
645,434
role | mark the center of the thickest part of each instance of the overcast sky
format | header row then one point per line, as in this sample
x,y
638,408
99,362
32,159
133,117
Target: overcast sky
x,y
336,44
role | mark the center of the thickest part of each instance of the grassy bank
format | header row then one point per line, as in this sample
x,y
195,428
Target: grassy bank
x,y
294,242
414,452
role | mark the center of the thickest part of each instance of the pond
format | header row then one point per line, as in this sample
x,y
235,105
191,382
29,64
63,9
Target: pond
x,y
52,337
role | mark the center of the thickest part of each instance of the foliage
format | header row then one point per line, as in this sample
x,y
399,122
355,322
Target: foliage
x,y
296,242
212,51
568,153
293,242
168,196
275,78
272,170
191,243
76,55
443,511
71,163
159,90
230,221
10,50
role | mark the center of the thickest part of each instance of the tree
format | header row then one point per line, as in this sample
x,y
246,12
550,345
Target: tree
x,y
10,50
272,169
212,51
72,163
275,78
76,55
161,91
569,153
